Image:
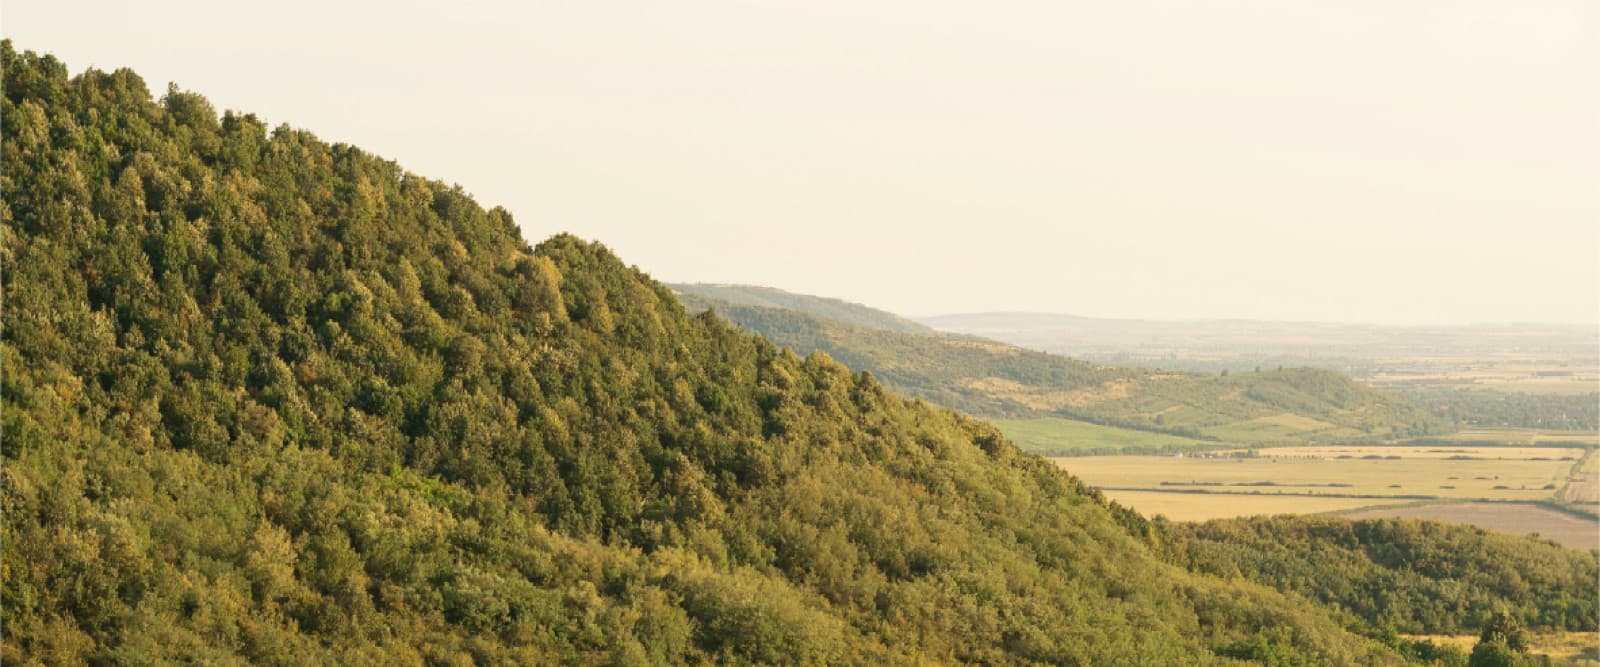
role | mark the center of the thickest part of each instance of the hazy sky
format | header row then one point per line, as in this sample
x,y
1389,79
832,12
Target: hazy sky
x,y
1360,160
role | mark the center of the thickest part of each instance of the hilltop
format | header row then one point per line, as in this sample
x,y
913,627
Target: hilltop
x,y
837,310
271,400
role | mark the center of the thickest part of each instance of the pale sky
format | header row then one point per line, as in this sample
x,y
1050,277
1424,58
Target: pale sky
x,y
1384,161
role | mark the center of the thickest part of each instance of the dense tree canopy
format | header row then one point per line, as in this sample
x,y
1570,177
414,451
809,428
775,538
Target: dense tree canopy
x,y
1405,575
1488,407
277,401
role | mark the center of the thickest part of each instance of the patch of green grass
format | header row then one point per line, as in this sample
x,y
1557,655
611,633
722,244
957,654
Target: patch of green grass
x,y
1065,437
1487,436
1274,429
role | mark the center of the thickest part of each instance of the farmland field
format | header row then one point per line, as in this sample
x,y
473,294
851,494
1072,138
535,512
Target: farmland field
x,y
1282,427
1520,436
1481,473
1583,490
1504,517
1205,506
1493,487
1065,437
1511,373
1457,452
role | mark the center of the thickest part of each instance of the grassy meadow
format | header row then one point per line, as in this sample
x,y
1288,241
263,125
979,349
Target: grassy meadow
x,y
1281,427
1051,436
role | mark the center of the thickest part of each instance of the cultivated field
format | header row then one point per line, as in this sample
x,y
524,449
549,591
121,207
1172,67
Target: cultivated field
x,y
1519,436
1204,506
1492,487
1282,427
1502,372
1448,452
1583,488
1515,518
1468,473
1495,487
1064,437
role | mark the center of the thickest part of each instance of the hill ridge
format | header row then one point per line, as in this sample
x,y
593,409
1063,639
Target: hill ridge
x,y
840,310
994,379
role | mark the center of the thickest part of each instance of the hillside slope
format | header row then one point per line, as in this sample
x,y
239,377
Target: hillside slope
x,y
270,400
837,310
988,378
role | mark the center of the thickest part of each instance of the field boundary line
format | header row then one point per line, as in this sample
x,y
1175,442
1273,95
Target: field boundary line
x,y
1203,492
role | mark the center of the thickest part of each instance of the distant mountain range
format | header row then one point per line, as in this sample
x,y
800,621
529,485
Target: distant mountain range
x,y
1073,334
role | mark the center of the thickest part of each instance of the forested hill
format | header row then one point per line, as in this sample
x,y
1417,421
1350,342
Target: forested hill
x,y
987,378
276,401
837,310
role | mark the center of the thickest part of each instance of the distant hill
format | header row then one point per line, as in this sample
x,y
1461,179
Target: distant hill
x,y
1239,344
988,378
1135,331
1018,321
1532,375
837,310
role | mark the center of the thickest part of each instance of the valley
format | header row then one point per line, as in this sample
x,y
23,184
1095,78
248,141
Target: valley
x,y
1251,441
991,379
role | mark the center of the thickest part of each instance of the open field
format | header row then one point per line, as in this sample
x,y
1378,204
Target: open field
x,y
1065,437
1481,474
1437,482
1515,518
1583,488
1519,436
1501,372
1570,648
1281,427
1206,506
1510,453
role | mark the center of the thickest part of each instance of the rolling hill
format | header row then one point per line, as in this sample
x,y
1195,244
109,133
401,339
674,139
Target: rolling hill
x,y
992,379
1076,334
271,400
837,310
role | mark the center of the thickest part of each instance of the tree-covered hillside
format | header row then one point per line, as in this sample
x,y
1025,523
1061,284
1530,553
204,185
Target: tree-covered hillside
x,y
987,378
1480,407
271,400
1399,575
837,310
